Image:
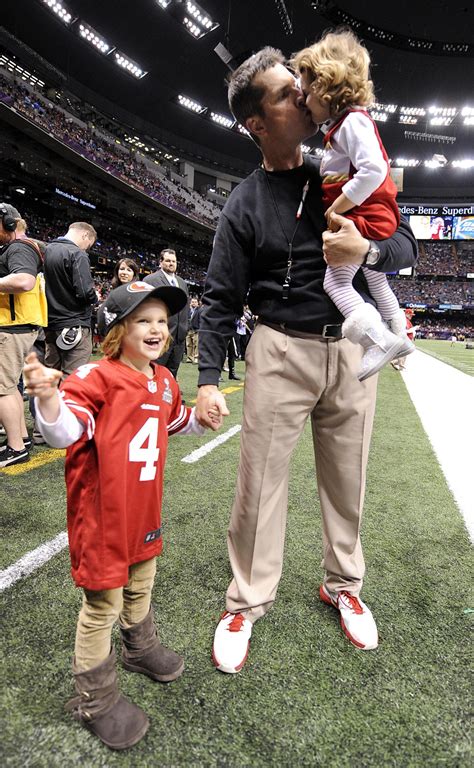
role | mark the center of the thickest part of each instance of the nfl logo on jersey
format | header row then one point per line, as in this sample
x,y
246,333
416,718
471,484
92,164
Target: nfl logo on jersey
x,y
152,387
167,394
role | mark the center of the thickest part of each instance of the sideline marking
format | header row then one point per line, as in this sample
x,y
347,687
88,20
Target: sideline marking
x,y
45,457
31,561
226,391
205,449
443,397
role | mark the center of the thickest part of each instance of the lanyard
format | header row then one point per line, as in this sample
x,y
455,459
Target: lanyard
x,y
299,211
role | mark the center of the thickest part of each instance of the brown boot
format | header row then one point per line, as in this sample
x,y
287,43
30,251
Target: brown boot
x,y
143,652
103,710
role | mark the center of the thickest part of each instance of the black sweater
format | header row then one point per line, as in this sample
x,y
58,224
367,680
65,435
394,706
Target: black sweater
x,y
250,256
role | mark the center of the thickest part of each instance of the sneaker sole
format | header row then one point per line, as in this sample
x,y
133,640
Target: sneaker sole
x,y
230,670
22,460
327,599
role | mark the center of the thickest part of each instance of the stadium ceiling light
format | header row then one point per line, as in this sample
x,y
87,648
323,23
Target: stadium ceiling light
x,y
190,104
59,10
463,163
443,111
223,120
381,117
467,112
390,108
129,66
93,38
469,120
441,121
408,120
403,162
195,19
12,66
242,130
416,111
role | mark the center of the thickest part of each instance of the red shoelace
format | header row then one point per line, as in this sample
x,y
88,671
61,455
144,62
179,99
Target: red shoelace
x,y
354,602
236,623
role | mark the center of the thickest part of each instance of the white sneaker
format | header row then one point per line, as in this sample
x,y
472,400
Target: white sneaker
x,y
231,642
357,621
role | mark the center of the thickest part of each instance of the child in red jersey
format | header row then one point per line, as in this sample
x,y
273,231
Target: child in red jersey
x,y
356,182
114,416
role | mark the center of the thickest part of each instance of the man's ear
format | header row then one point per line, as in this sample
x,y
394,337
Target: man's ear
x,y
255,125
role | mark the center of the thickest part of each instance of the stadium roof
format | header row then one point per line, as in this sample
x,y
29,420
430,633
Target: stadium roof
x,y
176,63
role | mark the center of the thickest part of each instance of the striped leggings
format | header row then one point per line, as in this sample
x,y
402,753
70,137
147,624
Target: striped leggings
x,y
338,286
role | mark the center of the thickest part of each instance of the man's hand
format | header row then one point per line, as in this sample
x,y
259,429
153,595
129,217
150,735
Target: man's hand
x,y
344,246
209,403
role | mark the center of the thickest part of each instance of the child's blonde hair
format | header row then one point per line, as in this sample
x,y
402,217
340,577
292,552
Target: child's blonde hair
x,y
112,343
338,67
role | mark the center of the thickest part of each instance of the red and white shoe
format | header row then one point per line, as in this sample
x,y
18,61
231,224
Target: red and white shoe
x,y
357,621
231,642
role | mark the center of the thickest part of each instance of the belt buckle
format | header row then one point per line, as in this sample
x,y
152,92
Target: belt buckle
x,y
327,333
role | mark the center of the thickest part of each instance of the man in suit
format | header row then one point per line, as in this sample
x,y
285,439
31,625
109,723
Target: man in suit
x,y
178,324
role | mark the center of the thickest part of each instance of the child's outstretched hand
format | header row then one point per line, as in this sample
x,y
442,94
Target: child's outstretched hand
x,y
40,381
216,417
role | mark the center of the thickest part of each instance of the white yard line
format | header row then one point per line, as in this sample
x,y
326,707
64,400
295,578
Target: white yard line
x,y
31,561
39,556
205,449
444,399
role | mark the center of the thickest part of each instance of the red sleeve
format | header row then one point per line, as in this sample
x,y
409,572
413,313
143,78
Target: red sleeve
x,y
84,393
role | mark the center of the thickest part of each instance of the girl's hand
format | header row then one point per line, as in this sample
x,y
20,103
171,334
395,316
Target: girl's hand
x,y
40,381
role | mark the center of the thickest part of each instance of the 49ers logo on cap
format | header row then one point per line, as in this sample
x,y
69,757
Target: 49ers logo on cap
x,y
139,287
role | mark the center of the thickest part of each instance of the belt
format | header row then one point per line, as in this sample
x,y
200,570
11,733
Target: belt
x,y
330,331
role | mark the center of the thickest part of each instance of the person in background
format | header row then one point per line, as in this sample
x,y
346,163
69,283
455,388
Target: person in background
x,y
125,271
193,332
23,311
179,323
71,295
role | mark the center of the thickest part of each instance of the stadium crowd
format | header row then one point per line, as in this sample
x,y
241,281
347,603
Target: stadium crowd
x,y
422,291
115,158
436,258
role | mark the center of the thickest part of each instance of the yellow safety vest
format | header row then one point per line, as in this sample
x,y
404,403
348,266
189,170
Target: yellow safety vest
x,y
28,308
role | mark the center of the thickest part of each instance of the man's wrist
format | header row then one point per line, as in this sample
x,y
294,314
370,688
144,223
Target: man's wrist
x,y
373,254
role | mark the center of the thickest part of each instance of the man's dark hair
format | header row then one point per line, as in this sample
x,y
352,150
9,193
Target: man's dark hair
x,y
245,98
166,250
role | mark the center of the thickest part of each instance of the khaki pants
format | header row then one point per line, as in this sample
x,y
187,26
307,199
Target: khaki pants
x,y
100,611
287,380
192,346
67,360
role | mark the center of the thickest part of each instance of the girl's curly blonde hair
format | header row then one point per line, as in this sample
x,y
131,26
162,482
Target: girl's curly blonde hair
x,y
338,68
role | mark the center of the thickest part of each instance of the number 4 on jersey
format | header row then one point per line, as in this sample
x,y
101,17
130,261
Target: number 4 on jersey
x,y
148,434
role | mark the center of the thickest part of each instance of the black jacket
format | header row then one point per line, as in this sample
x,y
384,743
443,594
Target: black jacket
x,y
177,324
69,286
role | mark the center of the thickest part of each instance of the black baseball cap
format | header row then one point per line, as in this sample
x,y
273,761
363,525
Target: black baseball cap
x,y
123,300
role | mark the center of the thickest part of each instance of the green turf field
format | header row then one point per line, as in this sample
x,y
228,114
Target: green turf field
x,y
306,697
457,356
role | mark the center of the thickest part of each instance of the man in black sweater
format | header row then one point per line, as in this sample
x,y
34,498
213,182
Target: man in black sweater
x,y
71,294
270,243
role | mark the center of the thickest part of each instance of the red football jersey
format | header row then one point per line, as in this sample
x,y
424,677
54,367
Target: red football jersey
x,y
114,472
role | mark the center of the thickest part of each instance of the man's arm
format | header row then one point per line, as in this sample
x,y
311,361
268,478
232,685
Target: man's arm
x,y
347,246
227,284
22,264
82,278
17,283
